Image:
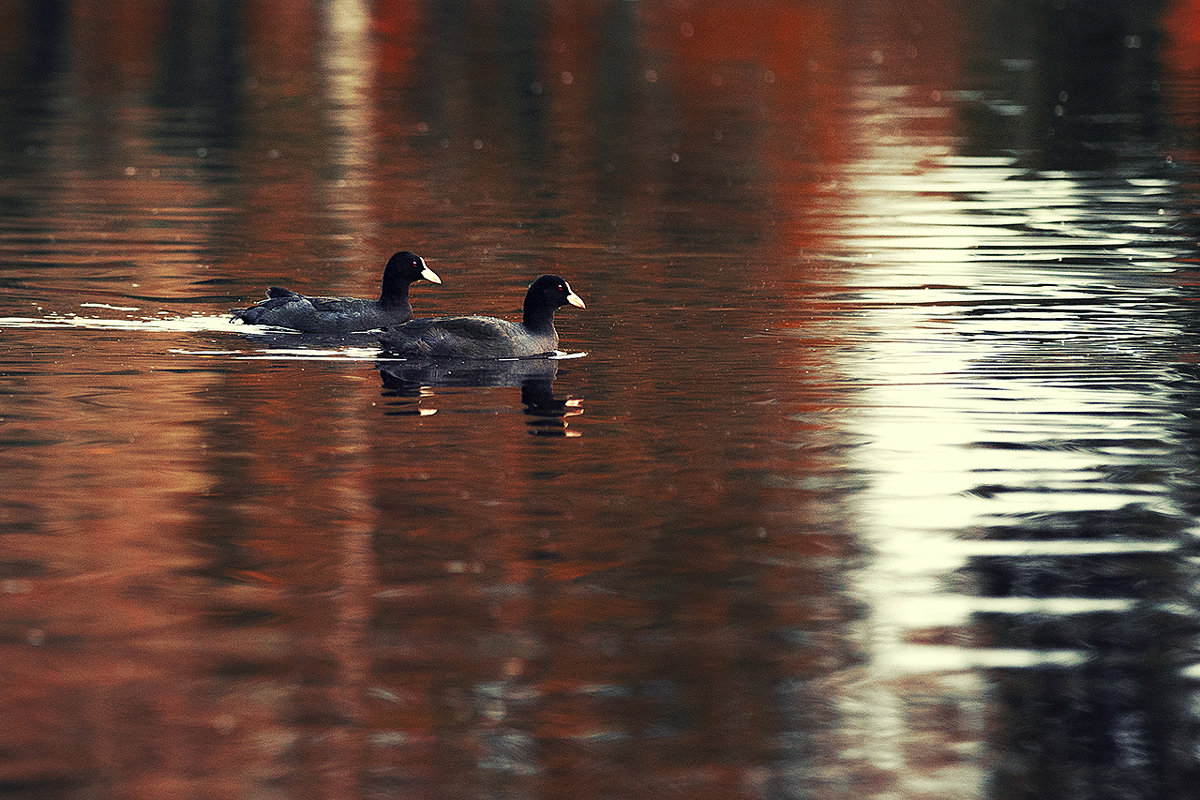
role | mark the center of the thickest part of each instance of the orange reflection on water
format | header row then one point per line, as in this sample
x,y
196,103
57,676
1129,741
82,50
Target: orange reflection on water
x,y
286,576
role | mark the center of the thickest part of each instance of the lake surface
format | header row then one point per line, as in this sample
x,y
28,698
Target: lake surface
x,y
871,469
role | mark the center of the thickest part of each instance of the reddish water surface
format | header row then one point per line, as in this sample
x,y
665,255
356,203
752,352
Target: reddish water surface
x,y
869,470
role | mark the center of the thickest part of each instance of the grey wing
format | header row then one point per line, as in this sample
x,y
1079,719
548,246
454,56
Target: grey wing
x,y
461,337
340,305
476,328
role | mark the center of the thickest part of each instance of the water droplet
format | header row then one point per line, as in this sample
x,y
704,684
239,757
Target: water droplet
x,y
769,76
202,152
567,77
273,153
876,56
477,144
674,158
651,76
536,87
131,171
687,29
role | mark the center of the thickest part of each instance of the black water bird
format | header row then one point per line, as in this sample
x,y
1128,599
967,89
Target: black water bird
x,y
287,309
487,337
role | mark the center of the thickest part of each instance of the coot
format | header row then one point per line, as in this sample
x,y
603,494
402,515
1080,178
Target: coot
x,y
287,309
487,337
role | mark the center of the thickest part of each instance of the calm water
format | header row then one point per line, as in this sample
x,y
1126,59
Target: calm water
x,y
872,470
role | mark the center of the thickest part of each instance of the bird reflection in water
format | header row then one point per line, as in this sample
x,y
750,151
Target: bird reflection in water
x,y
408,383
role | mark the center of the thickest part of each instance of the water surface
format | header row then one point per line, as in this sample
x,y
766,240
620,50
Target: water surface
x,y
869,469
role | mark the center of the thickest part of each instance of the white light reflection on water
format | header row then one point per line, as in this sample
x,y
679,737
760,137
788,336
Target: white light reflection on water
x,y
192,324
1012,343
1001,383
315,349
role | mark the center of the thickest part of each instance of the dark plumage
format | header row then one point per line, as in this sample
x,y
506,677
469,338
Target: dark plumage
x,y
287,309
487,337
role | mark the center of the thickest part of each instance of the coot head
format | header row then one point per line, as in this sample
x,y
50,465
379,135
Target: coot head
x,y
552,291
545,295
404,268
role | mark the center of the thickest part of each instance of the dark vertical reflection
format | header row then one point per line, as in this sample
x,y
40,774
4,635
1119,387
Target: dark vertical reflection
x,y
33,55
200,54
46,26
202,73
1102,60
522,35
617,102
1074,86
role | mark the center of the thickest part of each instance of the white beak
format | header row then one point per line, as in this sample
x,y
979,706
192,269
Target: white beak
x,y
427,273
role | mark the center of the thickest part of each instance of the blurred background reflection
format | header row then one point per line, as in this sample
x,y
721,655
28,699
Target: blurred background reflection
x,y
869,470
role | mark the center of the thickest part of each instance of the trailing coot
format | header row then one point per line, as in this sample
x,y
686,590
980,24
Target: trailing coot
x,y
287,309
487,337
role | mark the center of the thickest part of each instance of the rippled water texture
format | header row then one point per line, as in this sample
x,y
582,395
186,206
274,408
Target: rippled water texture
x,y
869,470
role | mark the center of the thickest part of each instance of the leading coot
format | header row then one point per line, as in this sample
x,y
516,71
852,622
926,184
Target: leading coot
x,y
487,337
